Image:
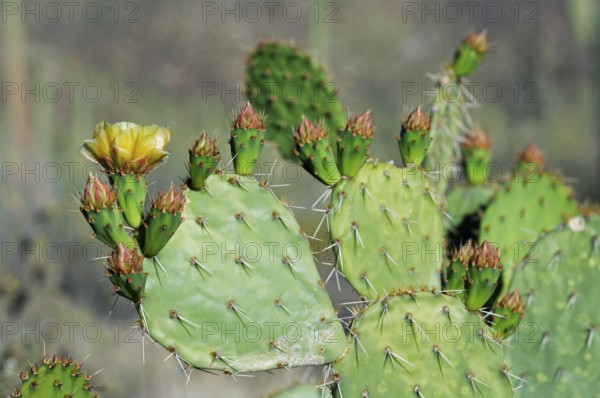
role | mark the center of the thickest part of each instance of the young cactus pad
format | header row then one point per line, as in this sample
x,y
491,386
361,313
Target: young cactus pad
x,y
55,377
386,229
421,345
556,347
236,288
284,81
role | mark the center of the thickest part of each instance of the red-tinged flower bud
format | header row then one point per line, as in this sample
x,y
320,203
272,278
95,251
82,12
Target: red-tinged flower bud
x,y
97,195
206,146
478,139
485,256
417,120
361,125
172,201
126,259
309,133
532,154
513,302
248,119
478,41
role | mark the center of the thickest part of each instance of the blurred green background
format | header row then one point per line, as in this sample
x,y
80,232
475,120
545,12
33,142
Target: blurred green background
x,y
64,66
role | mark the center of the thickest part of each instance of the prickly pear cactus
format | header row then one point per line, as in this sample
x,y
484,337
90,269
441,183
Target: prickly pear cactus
x,y
421,345
386,229
285,83
236,288
556,350
55,377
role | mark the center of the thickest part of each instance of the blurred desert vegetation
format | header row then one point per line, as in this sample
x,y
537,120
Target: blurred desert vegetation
x,y
164,59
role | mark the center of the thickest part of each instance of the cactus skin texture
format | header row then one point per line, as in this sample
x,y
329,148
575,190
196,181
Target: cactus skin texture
x,y
401,347
556,348
523,208
386,229
55,377
285,83
304,391
238,272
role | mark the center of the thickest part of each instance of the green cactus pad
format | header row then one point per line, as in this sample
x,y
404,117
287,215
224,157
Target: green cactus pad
x,y
236,288
421,345
303,391
386,229
556,348
130,286
525,207
55,377
285,83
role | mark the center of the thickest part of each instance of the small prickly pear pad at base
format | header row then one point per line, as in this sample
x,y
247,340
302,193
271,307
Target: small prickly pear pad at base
x,y
387,230
240,290
421,345
524,208
557,347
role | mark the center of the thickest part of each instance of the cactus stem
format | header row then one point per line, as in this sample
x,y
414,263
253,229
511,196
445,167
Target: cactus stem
x,y
393,357
440,354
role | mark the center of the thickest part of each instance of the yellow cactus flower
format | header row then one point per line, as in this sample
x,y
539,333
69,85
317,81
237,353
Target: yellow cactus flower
x,y
127,148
